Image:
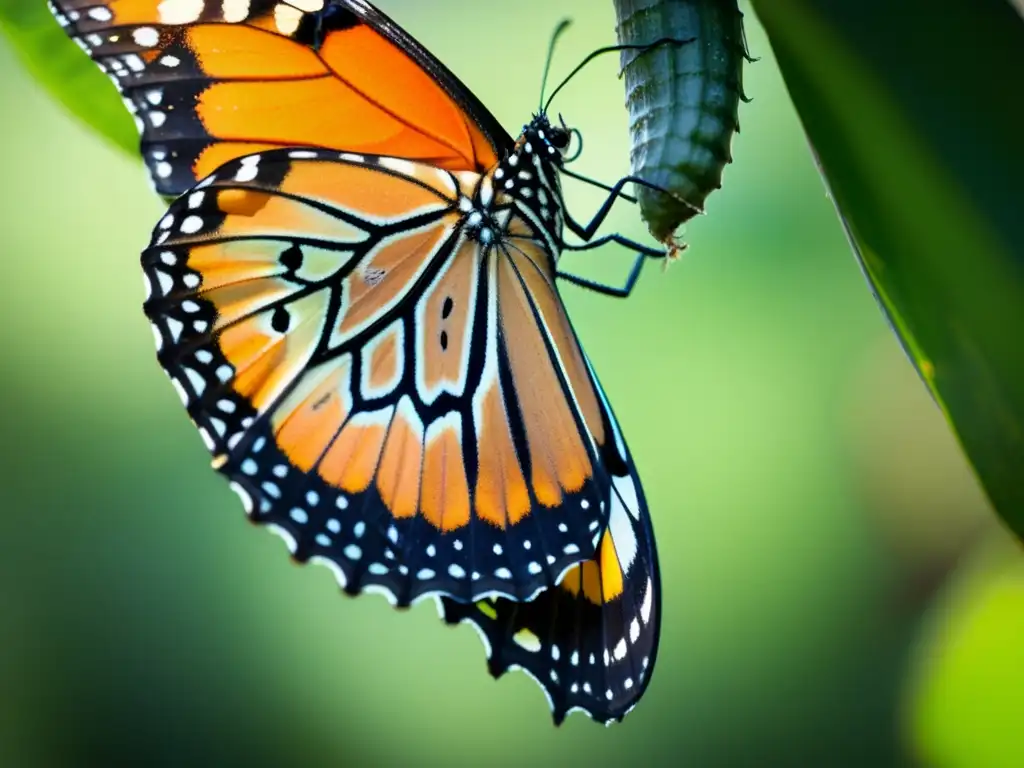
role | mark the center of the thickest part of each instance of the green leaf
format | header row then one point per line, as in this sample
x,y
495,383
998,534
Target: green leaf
x,y
914,111
66,72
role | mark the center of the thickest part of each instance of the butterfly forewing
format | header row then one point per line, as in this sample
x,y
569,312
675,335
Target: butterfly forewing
x,y
211,81
394,397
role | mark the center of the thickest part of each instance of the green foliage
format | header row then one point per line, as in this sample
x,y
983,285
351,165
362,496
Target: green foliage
x,y
914,112
65,71
964,704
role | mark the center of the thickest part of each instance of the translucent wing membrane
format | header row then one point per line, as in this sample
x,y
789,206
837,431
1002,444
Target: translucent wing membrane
x,y
211,81
590,642
395,398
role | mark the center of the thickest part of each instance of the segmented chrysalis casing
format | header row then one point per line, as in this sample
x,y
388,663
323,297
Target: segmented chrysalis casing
x,y
683,102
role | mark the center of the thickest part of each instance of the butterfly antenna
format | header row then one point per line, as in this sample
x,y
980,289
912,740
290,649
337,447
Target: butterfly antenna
x,y
559,29
612,49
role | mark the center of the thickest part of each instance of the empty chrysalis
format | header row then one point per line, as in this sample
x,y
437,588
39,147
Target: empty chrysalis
x,y
683,103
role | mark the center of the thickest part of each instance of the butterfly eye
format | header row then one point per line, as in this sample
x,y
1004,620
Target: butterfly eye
x,y
559,138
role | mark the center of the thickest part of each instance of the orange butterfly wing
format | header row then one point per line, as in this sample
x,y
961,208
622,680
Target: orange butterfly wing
x,y
212,81
402,402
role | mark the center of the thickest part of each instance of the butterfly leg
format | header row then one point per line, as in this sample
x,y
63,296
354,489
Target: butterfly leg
x,y
643,252
609,290
586,231
633,245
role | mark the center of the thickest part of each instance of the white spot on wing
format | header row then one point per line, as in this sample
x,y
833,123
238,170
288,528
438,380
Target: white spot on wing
x,y
191,225
619,652
175,327
287,18
180,11
645,607
527,640
197,381
250,169
456,571
235,11
147,37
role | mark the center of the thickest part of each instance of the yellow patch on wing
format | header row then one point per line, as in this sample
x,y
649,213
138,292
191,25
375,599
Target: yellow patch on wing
x,y
600,579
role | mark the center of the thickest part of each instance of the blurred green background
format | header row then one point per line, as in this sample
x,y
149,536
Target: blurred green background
x,y
809,501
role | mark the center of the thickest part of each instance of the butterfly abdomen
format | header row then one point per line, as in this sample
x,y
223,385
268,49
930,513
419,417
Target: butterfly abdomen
x,y
682,100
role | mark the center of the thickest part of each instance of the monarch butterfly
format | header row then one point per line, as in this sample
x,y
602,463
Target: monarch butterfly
x,y
683,103
353,292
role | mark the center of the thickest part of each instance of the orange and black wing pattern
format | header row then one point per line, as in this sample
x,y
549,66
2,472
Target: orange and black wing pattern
x,y
362,321
400,401
591,642
211,81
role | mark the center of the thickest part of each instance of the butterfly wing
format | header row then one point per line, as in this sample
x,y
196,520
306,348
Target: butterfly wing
x,y
400,401
211,81
591,642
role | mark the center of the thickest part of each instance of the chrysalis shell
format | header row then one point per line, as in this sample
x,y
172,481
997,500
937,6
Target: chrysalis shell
x,y
683,102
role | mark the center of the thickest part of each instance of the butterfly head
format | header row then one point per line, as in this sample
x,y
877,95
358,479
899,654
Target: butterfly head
x,y
550,142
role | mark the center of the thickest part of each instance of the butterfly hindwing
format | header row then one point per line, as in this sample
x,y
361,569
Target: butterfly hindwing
x,y
212,81
394,397
591,642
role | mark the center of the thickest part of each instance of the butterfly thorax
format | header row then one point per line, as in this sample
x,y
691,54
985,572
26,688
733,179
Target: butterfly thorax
x,y
526,182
